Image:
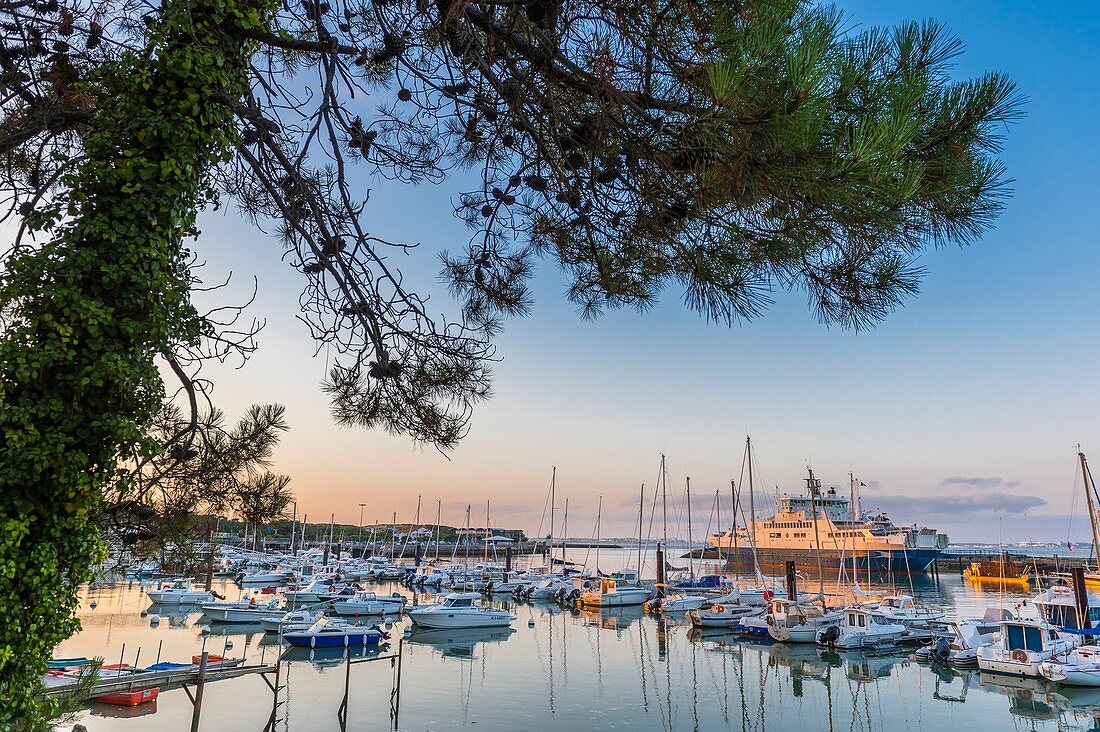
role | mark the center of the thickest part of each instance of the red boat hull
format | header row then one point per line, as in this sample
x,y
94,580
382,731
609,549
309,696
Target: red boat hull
x,y
130,698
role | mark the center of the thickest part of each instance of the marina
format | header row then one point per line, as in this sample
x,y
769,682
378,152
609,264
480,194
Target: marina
x,y
568,664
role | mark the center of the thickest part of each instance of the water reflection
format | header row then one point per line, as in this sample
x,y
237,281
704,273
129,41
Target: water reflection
x,y
458,643
561,667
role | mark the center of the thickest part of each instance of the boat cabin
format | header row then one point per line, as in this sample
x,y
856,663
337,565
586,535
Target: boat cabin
x,y
1058,605
461,599
626,577
859,619
901,602
1027,636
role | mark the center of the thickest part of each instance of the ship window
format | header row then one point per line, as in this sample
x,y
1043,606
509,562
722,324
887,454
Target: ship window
x,y
862,621
1033,638
1015,637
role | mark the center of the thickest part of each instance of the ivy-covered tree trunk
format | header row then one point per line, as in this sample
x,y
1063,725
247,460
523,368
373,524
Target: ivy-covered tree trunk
x,y
85,315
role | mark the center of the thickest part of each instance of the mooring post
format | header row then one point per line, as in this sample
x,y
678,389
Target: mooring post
x,y
792,582
397,700
274,697
347,689
159,647
1081,596
200,682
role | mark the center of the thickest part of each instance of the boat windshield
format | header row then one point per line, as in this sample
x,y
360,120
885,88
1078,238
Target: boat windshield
x,y
458,602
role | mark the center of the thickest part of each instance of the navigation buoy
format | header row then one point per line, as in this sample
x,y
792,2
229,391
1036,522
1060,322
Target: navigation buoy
x,y
154,621
93,605
229,644
531,623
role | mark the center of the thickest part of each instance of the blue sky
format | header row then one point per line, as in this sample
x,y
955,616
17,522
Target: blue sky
x,y
989,373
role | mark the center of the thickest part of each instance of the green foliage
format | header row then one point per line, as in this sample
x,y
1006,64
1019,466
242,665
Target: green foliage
x,y
87,313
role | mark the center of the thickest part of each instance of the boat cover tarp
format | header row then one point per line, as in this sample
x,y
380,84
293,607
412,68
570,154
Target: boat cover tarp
x,y
1081,631
168,666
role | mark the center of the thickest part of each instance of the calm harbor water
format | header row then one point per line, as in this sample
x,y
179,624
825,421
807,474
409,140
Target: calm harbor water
x,y
610,670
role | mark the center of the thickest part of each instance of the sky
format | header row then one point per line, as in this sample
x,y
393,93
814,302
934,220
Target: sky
x,y
961,411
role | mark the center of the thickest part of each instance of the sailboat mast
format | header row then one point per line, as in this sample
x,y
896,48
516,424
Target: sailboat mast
x,y
717,523
691,564
564,533
553,485
815,490
468,529
487,533
1092,508
599,515
733,531
752,505
641,504
438,511
664,502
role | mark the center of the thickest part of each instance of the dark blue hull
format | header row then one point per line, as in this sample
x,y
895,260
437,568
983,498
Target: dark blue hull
x,y
914,561
366,638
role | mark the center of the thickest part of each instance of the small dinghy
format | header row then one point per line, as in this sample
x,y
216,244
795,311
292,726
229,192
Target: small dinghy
x,y
722,616
130,698
327,634
58,664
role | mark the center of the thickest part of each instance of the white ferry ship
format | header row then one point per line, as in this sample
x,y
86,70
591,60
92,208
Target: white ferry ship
x,y
825,523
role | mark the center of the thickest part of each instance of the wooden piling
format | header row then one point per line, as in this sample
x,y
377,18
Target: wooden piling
x,y
200,684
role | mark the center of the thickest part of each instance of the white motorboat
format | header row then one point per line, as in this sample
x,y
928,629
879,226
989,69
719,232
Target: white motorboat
x,y
1079,667
722,616
245,611
547,588
1023,645
796,622
902,609
179,592
319,589
295,619
861,628
263,577
608,593
459,610
368,602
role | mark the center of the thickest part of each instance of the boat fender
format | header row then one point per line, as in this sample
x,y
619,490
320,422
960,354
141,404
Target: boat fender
x,y
771,619
332,588
313,642
719,608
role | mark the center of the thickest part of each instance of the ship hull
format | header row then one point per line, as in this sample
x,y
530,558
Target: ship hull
x,y
913,561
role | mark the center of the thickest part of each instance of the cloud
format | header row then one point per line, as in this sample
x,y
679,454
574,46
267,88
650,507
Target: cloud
x,y
921,509
979,482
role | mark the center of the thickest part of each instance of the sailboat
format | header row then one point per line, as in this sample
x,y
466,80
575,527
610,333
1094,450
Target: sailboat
x,y
665,601
606,592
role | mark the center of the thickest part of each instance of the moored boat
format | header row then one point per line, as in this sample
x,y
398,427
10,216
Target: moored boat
x,y
179,592
329,634
1024,645
130,698
459,610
